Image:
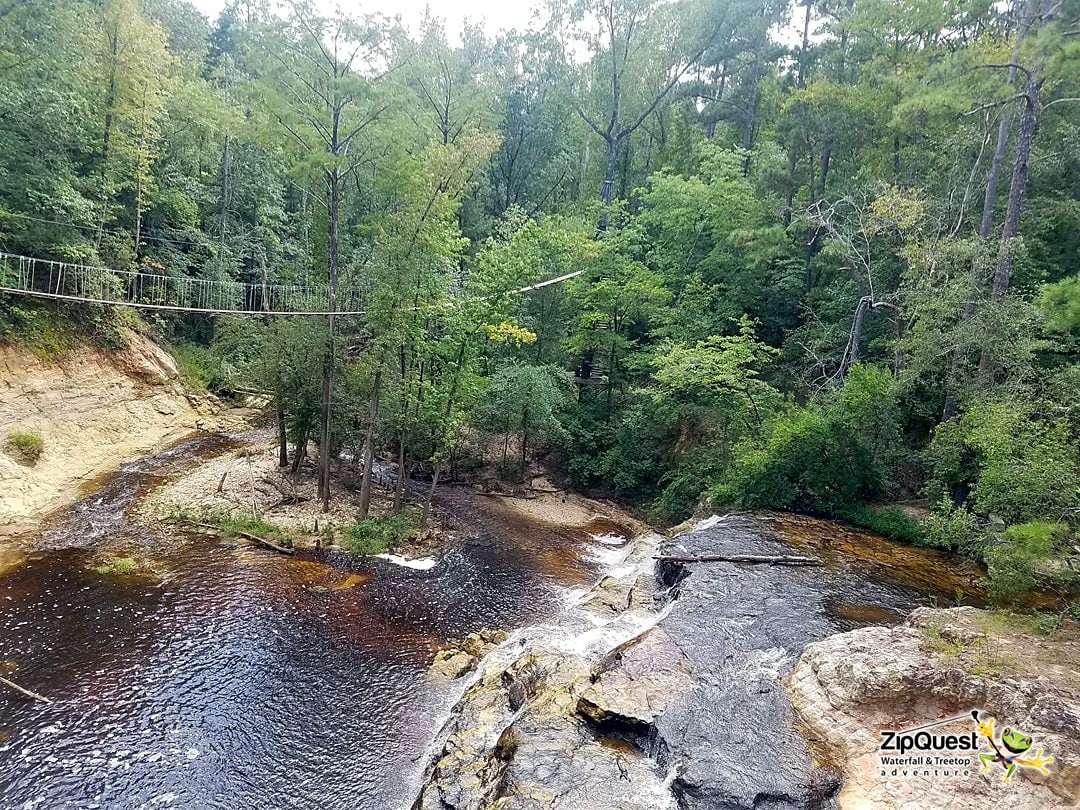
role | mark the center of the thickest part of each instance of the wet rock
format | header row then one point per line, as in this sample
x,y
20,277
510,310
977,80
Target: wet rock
x,y
462,657
613,595
451,664
562,727
691,706
730,735
636,684
517,741
941,663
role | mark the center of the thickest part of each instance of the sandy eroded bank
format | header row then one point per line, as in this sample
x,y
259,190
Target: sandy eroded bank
x,y
93,409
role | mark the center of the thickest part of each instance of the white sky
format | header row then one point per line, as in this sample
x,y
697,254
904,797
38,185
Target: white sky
x,y
495,14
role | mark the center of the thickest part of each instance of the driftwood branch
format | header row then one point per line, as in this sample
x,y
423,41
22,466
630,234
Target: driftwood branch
x,y
248,536
782,559
492,494
268,543
24,692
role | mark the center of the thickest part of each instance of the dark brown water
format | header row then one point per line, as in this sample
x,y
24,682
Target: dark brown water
x,y
234,677
221,675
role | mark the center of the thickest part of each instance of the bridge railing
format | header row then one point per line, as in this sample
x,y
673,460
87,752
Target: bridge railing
x,y
149,290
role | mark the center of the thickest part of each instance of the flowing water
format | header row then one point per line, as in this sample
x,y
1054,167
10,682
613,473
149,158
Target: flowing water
x,y
222,675
230,676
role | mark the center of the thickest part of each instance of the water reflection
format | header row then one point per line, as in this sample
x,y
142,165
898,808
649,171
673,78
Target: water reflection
x,y
238,677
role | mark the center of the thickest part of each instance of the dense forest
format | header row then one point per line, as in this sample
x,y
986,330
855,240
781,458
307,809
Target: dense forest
x,y
828,254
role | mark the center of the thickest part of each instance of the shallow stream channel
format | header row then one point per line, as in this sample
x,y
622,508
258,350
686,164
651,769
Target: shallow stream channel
x,y
232,676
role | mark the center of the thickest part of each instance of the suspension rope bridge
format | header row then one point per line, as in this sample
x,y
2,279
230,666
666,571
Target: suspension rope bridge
x,y
43,278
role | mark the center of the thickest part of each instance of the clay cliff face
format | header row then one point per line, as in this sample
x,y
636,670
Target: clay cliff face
x,y
93,410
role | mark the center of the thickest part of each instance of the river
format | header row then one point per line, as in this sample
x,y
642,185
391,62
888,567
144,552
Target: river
x,y
236,677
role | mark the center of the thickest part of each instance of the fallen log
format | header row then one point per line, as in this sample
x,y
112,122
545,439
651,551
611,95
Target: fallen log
x,y
268,543
781,559
24,692
248,536
492,494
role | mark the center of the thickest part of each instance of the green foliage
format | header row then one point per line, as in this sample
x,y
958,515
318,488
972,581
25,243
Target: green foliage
x,y
376,535
231,524
1014,560
201,368
826,457
26,445
1008,461
954,528
522,402
1060,304
781,324
116,565
889,521
809,463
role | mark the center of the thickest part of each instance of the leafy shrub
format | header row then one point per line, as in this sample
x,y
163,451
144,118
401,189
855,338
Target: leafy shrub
x,y
868,405
377,534
889,521
809,463
47,335
953,528
116,565
1014,560
827,457
1005,461
684,485
27,446
200,368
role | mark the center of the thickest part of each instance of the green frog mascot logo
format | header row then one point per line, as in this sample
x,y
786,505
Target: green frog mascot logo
x,y
1009,749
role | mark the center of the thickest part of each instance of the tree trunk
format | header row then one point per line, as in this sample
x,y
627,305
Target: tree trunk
x,y
333,186
816,193
607,187
431,496
110,102
524,435
283,437
1029,124
139,180
402,476
751,114
800,82
851,351
990,194
369,447
986,223
301,452
789,190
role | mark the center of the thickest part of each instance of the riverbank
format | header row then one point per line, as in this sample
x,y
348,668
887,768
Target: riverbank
x,y
248,482
92,410
318,653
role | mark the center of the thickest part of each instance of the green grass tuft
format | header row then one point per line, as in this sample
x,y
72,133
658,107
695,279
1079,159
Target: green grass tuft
x,y
26,446
376,535
232,525
116,565
889,521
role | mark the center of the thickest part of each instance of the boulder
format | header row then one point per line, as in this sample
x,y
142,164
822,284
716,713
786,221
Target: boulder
x,y
939,664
